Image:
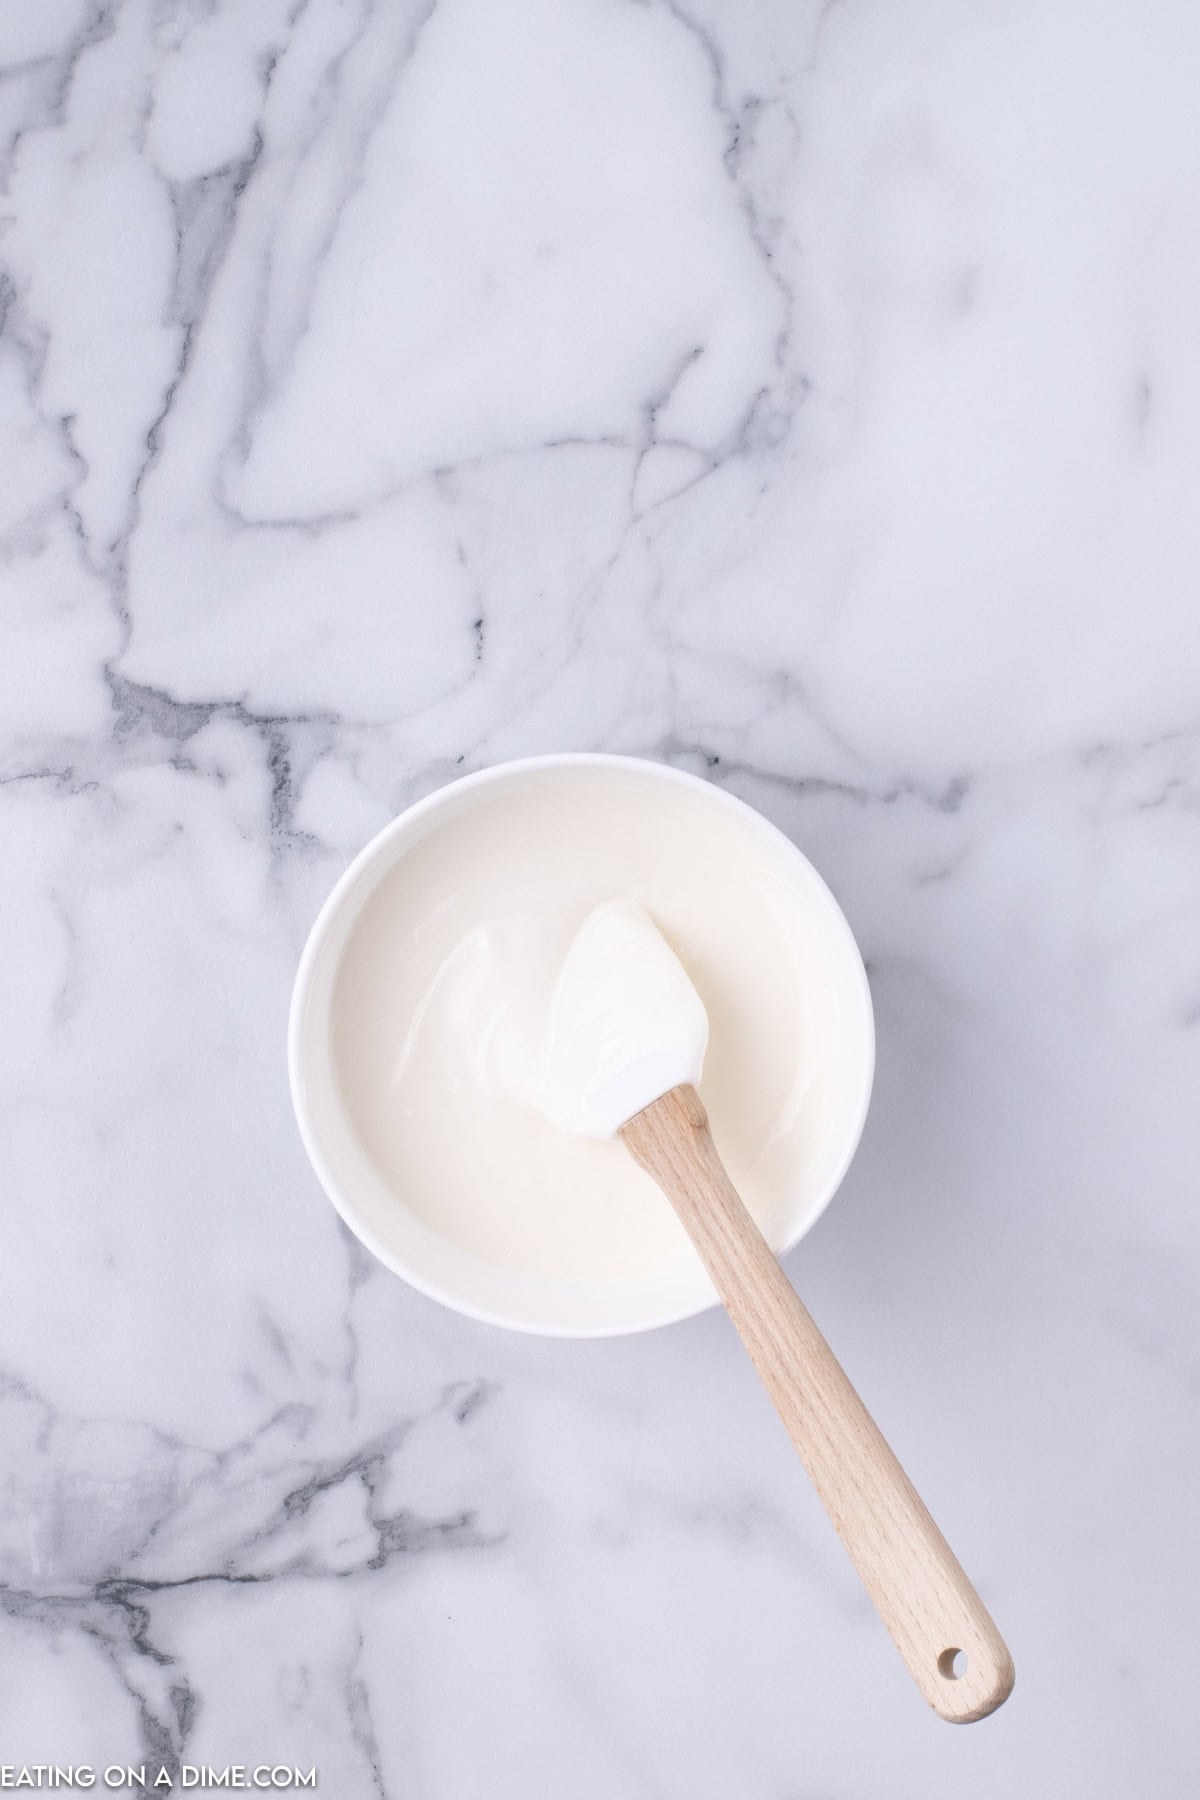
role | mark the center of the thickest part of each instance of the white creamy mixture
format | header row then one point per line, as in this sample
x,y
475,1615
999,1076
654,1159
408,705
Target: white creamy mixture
x,y
448,984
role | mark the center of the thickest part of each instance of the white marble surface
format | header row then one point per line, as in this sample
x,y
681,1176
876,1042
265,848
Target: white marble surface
x,y
807,394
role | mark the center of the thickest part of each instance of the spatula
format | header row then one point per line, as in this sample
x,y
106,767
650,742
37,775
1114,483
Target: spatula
x,y
625,1052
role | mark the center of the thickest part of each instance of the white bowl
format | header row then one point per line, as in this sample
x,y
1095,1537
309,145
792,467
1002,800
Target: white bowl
x,y
379,1217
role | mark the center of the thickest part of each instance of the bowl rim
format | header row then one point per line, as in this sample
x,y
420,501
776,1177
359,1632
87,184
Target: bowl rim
x,y
330,911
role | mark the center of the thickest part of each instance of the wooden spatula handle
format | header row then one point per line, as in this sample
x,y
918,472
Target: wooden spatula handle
x,y
933,1613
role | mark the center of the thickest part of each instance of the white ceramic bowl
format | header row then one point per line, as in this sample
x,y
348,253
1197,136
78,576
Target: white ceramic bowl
x,y
378,1215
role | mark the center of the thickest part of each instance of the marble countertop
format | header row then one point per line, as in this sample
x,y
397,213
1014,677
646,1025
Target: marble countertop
x,y
807,396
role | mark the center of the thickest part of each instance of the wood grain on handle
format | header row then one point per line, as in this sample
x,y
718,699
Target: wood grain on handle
x,y
922,1595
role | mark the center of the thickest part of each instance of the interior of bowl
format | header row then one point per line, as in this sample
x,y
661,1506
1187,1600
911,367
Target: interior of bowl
x,y
579,1305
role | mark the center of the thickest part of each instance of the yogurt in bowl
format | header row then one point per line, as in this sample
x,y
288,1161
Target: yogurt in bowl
x,y
418,1020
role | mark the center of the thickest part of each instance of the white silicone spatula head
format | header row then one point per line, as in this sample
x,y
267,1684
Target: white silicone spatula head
x,y
626,1024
